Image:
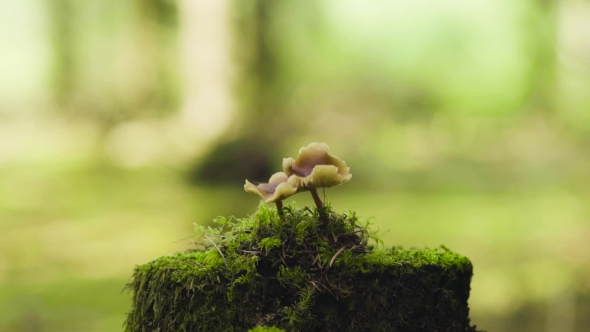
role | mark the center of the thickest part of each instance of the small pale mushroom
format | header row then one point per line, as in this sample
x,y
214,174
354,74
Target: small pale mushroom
x,y
277,189
316,168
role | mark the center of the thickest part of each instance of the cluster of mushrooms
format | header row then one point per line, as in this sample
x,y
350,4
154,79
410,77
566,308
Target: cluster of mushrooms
x,y
314,168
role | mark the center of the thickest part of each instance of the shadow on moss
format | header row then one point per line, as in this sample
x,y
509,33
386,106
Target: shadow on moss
x,y
300,273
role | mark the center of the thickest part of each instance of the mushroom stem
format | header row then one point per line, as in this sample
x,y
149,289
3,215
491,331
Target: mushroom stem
x,y
279,204
316,198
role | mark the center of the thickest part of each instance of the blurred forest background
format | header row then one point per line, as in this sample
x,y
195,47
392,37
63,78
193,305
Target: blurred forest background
x,y
122,123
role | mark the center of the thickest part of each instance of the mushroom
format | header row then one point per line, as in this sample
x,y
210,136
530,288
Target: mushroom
x,y
316,168
277,189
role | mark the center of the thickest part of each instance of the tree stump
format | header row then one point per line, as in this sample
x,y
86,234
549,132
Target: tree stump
x,y
305,271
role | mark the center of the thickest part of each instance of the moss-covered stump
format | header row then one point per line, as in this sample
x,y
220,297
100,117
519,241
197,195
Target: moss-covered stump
x,y
304,272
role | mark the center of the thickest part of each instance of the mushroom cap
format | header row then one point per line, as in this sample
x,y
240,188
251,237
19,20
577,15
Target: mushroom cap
x,y
276,189
316,168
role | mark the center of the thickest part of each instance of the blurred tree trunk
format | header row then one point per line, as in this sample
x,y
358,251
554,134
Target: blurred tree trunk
x,y
544,76
62,18
205,38
249,151
263,88
156,27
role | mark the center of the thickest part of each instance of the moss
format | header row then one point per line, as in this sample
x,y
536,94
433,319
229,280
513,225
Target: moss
x,y
266,329
300,273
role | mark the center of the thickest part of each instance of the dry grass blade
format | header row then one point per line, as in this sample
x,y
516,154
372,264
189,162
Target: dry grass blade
x,y
350,233
216,247
316,259
336,255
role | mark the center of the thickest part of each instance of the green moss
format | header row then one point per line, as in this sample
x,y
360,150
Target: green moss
x,y
300,273
266,329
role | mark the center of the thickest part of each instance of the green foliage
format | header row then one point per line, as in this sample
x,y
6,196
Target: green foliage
x,y
301,310
269,243
294,277
306,271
